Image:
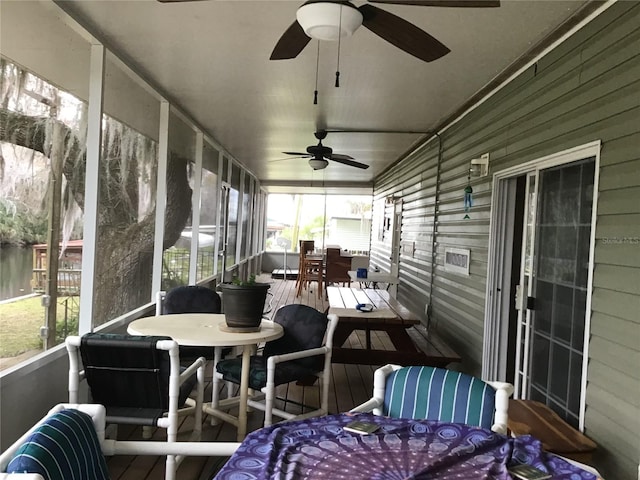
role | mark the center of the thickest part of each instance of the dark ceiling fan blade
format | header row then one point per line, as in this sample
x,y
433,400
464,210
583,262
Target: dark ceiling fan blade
x,y
442,3
300,154
291,43
402,34
289,158
345,161
340,156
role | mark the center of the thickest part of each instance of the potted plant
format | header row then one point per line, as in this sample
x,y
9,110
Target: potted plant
x,y
243,303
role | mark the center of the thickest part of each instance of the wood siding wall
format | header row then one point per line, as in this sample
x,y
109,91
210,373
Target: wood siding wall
x,y
586,89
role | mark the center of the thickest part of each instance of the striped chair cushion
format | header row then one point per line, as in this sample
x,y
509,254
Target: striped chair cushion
x,y
64,447
439,394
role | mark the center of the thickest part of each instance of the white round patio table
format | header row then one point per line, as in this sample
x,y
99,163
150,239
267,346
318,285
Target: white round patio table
x,y
203,330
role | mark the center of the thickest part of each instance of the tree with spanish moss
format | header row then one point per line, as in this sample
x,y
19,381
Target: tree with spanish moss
x,y
123,268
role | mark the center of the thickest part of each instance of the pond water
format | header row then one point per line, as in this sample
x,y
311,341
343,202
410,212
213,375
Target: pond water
x,y
16,264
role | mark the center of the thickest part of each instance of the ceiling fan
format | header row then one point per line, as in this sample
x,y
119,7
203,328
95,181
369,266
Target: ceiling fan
x,y
332,19
319,155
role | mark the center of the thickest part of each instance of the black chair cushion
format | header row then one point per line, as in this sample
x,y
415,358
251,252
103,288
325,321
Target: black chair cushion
x,y
192,299
129,376
304,328
285,372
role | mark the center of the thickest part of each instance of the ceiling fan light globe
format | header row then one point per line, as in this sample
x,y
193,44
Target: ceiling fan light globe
x,y
318,163
322,20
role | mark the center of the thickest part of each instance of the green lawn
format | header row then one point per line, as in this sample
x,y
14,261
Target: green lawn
x,y
20,324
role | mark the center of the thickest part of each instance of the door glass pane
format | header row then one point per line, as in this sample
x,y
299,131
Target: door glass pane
x,y
558,372
563,231
544,306
565,256
562,314
575,385
577,330
540,358
586,205
582,258
547,251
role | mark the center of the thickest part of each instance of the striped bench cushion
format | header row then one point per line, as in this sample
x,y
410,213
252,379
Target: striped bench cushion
x,y
64,447
438,394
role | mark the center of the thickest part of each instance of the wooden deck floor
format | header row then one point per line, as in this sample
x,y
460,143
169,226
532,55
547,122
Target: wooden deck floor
x,y
351,385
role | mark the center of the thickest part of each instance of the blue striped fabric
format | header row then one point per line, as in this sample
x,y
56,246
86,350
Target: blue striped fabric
x,y
439,394
64,447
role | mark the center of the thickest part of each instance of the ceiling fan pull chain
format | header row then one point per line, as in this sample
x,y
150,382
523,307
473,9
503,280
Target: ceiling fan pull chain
x,y
315,92
339,38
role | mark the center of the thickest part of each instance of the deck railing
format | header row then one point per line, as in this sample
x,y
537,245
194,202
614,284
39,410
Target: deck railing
x,y
68,281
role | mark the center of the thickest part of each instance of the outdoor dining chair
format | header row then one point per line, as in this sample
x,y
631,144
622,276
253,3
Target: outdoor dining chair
x,y
138,380
421,392
304,351
305,247
190,299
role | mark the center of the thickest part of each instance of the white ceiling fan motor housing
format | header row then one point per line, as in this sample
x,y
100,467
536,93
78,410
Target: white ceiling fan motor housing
x,y
328,20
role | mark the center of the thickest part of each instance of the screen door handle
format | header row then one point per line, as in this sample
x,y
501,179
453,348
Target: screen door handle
x,y
531,303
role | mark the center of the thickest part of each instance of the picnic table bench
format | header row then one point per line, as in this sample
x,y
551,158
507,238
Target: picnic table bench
x,y
413,344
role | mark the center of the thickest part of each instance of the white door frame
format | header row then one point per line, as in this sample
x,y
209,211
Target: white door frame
x,y
495,330
396,230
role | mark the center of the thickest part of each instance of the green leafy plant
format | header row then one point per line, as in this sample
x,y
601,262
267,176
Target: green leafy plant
x,y
249,281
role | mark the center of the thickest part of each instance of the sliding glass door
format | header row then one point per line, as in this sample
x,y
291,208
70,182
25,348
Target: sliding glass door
x,y
552,295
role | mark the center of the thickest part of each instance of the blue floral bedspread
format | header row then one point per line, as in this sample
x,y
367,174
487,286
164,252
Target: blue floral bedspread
x,y
319,448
